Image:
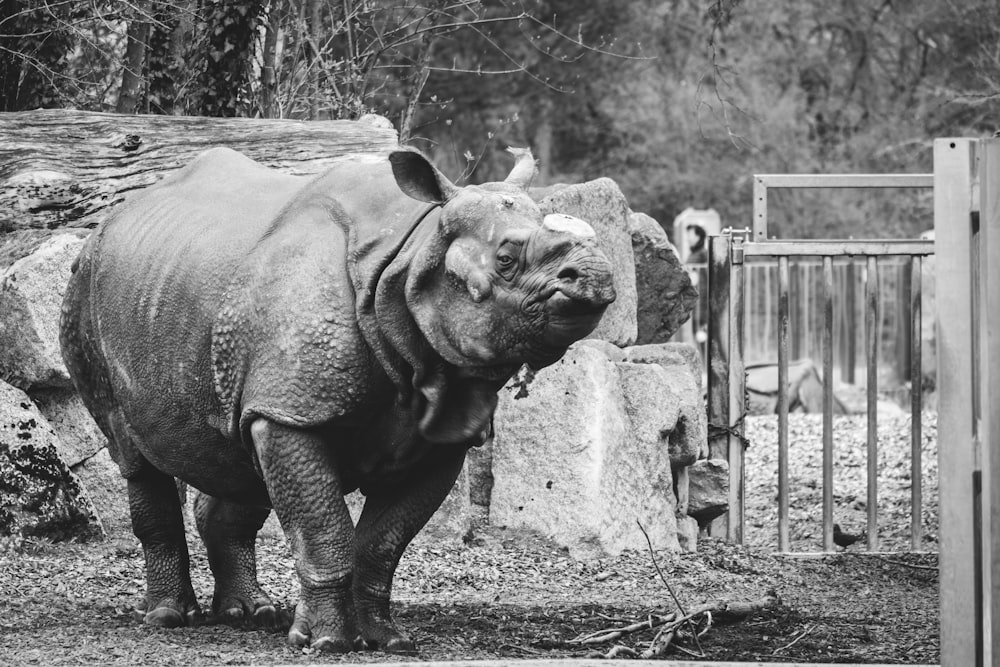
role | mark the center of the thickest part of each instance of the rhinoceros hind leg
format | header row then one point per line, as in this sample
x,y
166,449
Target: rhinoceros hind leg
x,y
158,523
229,532
306,492
392,516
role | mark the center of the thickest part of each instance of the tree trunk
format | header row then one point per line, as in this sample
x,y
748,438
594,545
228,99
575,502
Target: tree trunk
x,y
269,70
63,168
135,58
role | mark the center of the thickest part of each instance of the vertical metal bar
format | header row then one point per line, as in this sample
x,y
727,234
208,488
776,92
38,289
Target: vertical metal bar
x,y
759,210
828,403
737,393
719,324
916,405
903,315
871,344
784,542
954,169
852,322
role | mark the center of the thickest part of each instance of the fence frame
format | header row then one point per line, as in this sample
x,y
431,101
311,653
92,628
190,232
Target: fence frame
x,y
726,335
967,228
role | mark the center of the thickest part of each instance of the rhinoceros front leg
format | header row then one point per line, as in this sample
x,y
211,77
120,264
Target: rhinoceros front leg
x,y
158,523
392,516
229,532
306,493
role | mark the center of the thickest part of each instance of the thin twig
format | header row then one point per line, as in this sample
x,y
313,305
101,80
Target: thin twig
x,y
794,641
670,588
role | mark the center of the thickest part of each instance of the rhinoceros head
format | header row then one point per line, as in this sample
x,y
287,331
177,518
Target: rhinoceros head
x,y
494,284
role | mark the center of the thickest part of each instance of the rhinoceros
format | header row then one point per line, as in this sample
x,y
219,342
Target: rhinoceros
x,y
278,341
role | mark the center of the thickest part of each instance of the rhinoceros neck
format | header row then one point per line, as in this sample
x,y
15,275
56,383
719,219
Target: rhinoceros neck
x,y
379,267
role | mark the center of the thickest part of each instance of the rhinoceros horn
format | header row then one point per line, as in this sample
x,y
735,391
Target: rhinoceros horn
x,y
524,168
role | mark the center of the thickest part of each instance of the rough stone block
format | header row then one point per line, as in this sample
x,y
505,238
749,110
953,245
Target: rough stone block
x,y
107,491
664,294
79,436
601,203
569,463
682,364
39,495
708,495
31,293
687,533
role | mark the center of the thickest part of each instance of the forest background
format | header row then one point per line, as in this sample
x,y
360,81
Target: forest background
x,y
680,101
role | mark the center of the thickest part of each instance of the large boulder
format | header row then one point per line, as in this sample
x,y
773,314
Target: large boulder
x,y
31,293
582,452
601,203
665,295
84,448
39,496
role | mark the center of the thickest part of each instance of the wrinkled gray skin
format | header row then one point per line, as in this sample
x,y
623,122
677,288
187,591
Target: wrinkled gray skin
x,y
279,341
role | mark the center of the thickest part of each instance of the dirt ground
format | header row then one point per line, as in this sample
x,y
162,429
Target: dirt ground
x,y
500,595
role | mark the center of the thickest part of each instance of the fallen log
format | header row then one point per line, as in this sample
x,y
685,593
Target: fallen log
x,y
63,168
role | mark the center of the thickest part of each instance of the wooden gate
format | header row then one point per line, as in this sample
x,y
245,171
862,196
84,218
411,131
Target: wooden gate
x,y
966,182
729,254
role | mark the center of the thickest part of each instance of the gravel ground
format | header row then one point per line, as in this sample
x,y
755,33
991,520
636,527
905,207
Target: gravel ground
x,y
849,480
514,595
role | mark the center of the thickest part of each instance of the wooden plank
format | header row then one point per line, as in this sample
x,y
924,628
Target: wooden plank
x,y
953,183
811,248
827,347
916,406
784,542
116,154
737,393
989,364
844,180
871,360
719,327
759,209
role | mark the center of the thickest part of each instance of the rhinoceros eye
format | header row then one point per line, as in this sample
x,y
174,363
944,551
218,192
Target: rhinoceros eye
x,y
506,261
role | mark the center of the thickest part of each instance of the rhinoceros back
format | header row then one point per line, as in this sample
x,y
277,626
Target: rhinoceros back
x,y
145,293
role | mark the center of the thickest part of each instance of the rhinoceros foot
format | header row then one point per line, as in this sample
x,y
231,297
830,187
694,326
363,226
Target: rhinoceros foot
x,y
249,611
378,631
170,613
332,633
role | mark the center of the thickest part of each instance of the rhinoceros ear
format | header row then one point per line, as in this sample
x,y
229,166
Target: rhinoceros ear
x,y
418,178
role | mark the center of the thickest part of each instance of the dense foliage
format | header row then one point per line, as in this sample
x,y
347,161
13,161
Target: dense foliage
x,y
681,101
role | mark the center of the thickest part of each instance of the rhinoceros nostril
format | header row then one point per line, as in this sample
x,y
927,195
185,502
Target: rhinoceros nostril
x,y
569,274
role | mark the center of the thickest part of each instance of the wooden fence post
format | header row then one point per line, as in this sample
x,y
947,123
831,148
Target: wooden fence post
x,y
726,379
954,173
988,361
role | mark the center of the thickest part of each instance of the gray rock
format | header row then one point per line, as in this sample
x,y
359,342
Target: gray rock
x,y
39,495
664,294
687,533
569,462
669,354
31,293
708,495
79,436
601,203
107,491
682,385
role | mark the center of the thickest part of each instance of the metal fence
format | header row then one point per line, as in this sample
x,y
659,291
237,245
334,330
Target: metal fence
x,y
730,257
